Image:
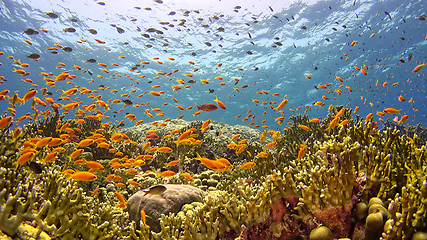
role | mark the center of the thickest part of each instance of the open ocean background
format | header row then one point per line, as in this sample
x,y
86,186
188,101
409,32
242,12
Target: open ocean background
x,y
288,41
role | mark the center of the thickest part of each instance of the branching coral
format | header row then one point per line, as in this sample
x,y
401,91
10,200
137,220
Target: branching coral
x,y
281,197
72,214
16,203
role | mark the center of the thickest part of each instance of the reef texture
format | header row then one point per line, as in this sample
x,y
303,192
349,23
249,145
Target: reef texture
x,y
352,181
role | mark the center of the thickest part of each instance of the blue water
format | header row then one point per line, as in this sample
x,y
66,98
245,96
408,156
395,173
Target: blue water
x,y
319,51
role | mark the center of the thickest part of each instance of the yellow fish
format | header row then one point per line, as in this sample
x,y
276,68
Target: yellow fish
x,y
155,190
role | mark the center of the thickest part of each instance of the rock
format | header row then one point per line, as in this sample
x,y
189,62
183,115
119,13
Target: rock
x,y
170,201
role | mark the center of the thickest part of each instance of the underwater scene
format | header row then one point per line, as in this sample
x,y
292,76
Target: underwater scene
x,y
213,119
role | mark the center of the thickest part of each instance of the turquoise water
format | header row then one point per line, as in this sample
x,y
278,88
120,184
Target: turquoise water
x,y
288,42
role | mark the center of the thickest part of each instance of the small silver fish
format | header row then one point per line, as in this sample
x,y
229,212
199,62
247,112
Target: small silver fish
x,y
155,190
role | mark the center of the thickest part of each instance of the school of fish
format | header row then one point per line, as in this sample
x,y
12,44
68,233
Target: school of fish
x,y
83,90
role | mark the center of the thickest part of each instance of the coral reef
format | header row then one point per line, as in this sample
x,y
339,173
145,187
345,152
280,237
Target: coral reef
x,y
351,181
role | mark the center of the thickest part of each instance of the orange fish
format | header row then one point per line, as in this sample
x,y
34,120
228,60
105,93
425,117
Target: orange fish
x,y
51,157
304,127
121,199
301,152
167,173
29,95
76,153
83,176
418,68
43,142
96,166
271,145
282,104
5,121
143,217
165,149
392,111
333,123
172,163
25,157
220,104
133,183
85,142
369,116
344,122
404,118
356,109
248,165
262,155
187,176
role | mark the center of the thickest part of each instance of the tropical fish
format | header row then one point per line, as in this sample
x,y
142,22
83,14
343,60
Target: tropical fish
x,y
262,155
172,163
155,190
220,104
263,136
76,153
143,217
304,127
121,199
206,107
187,176
152,137
248,165
25,158
404,118
83,176
392,111
5,121
96,166
418,68
167,173
51,157
165,149
281,104
85,142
